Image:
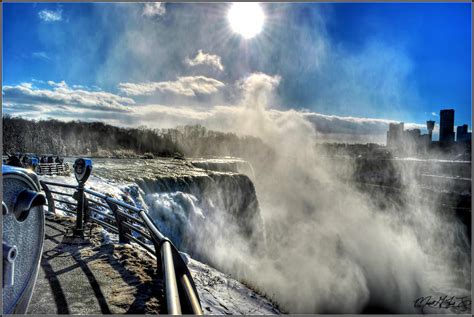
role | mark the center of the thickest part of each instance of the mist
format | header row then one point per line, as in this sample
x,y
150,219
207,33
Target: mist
x,y
328,247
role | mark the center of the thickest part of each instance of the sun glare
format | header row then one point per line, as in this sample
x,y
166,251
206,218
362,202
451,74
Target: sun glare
x,y
246,19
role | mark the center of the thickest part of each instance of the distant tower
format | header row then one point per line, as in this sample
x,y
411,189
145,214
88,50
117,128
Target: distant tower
x,y
461,133
430,124
395,134
446,126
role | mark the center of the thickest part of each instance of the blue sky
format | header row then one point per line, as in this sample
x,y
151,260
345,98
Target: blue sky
x,y
401,62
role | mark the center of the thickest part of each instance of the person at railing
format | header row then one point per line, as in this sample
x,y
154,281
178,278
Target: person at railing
x,y
58,160
13,160
43,159
50,159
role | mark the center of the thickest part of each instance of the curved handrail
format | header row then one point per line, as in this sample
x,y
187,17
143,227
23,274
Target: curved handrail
x,y
180,290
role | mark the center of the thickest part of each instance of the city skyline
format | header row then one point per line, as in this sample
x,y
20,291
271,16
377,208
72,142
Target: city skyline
x,y
348,69
397,136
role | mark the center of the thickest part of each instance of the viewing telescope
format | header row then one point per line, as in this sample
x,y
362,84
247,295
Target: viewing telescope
x,y
82,170
23,237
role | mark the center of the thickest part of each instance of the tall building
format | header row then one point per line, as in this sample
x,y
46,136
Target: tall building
x,y
412,139
395,134
462,134
413,134
430,124
446,126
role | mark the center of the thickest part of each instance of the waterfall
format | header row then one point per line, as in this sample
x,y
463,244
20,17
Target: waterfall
x,y
215,218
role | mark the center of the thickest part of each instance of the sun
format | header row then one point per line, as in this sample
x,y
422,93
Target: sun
x,y
246,18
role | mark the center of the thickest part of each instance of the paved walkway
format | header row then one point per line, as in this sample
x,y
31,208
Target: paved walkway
x,y
96,278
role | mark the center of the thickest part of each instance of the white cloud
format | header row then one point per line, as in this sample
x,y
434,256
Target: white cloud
x,y
40,55
258,89
61,95
26,85
50,16
251,115
330,124
232,118
38,81
61,84
434,114
186,86
205,59
151,9
79,87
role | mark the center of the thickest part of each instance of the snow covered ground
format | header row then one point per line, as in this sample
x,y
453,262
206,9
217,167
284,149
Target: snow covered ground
x,y
220,294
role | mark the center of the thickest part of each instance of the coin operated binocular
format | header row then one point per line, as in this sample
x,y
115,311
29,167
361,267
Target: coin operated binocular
x,y
23,237
82,170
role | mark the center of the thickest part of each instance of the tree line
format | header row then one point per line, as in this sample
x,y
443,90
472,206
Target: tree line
x,y
97,139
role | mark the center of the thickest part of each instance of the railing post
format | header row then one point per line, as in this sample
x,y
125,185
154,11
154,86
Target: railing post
x,y
173,268
49,198
171,286
190,291
119,219
78,231
163,252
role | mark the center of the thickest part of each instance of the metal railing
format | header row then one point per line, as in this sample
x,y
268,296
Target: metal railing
x,y
131,224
